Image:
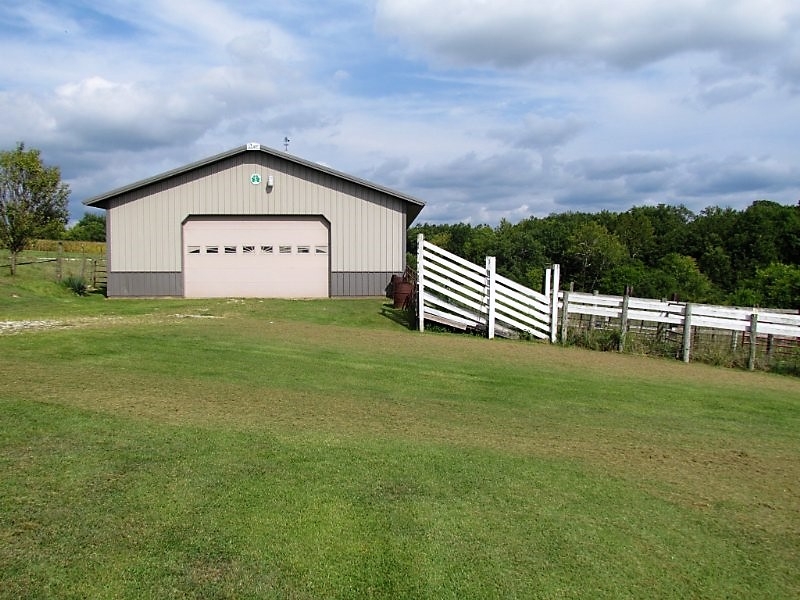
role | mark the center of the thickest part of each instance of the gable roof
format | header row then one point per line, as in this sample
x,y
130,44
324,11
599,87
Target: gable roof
x,y
414,204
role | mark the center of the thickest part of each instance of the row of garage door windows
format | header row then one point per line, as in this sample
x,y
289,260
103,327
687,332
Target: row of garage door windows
x,y
261,249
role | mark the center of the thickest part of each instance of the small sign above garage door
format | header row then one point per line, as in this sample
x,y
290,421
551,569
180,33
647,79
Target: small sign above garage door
x,y
256,257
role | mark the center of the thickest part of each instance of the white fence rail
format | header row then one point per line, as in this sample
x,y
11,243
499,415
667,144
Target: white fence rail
x,y
459,293
674,313
685,316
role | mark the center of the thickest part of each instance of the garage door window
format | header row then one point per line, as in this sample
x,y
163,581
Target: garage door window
x,y
285,249
321,250
230,249
212,249
266,249
193,249
248,249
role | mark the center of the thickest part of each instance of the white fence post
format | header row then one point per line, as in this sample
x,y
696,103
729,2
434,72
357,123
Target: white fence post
x,y
547,280
687,332
751,359
623,321
421,280
564,318
554,303
491,292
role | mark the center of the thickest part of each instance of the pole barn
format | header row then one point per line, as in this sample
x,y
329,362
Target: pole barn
x,y
254,222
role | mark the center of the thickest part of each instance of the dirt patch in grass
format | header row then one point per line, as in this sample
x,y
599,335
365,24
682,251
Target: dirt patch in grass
x,y
25,326
9,327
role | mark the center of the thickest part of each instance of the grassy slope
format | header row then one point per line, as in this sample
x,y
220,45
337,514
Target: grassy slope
x,y
316,449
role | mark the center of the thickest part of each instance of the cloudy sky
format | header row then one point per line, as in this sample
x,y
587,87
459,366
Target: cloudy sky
x,y
484,109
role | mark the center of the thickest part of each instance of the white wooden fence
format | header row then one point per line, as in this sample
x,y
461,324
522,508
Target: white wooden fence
x,y
459,293
682,315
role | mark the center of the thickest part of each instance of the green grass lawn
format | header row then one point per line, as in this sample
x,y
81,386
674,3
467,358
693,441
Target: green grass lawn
x,y
318,449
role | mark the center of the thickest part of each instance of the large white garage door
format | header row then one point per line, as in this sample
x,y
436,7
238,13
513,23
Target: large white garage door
x,y
255,257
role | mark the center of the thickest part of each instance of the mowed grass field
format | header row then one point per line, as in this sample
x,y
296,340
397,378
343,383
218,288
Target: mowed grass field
x,y
319,449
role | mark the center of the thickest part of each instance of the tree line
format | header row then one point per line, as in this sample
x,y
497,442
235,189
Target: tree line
x,y
748,257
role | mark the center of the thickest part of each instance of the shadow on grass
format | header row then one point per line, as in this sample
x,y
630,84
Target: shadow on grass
x,y
400,316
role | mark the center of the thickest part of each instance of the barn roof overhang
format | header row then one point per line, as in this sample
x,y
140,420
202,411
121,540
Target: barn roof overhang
x,y
414,205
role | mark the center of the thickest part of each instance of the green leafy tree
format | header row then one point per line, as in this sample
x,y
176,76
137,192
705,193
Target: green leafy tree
x,y
32,197
54,230
670,230
594,251
774,286
519,251
675,275
636,231
481,243
716,264
780,285
555,232
91,228
766,232
642,280
681,277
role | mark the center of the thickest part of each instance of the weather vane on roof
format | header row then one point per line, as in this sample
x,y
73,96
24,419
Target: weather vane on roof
x,y
286,141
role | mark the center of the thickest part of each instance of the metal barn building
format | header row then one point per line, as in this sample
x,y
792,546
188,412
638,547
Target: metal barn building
x,y
254,222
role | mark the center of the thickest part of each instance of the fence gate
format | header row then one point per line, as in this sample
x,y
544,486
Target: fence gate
x,y
461,294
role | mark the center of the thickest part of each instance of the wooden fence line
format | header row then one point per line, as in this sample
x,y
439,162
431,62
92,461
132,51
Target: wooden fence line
x,y
92,269
687,317
458,293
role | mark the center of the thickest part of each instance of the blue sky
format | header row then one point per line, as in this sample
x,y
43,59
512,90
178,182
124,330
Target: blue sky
x,y
484,109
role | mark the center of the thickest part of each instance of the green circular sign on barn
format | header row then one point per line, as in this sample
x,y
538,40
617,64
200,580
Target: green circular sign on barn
x,y
255,178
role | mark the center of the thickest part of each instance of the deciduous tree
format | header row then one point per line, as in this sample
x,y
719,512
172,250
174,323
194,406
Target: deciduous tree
x,y
594,251
31,197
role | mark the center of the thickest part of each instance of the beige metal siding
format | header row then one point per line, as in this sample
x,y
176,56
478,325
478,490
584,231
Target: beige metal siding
x,y
367,226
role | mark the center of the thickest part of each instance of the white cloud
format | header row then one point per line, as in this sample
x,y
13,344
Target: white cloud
x,y
539,133
621,165
131,116
739,174
728,91
514,33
